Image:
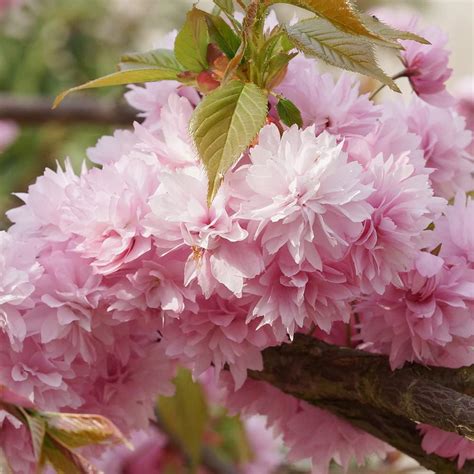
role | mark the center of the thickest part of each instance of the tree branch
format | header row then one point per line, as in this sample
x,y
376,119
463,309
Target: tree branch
x,y
37,110
361,388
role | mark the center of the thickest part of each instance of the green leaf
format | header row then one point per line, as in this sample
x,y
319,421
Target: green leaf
x,y
223,126
226,6
157,58
339,12
75,430
234,446
185,415
389,33
222,35
63,460
320,38
289,113
190,46
131,76
276,69
37,428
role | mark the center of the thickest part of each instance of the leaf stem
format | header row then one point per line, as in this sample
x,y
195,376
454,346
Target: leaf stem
x,y
404,73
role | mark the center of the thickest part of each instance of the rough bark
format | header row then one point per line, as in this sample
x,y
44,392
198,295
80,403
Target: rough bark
x,y
361,388
37,110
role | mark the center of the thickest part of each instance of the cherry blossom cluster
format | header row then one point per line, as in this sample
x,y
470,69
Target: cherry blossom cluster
x,y
112,276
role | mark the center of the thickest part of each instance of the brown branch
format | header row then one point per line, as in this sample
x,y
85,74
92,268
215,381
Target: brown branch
x,y
37,110
361,388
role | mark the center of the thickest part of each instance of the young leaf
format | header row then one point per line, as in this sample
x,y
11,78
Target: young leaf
x,y
289,113
320,38
223,126
119,78
226,6
222,35
389,33
37,428
339,12
159,58
190,46
185,415
75,431
234,445
63,460
276,69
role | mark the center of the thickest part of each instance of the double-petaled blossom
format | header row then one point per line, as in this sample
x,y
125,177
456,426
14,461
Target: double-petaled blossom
x,y
445,144
332,105
447,445
426,316
403,206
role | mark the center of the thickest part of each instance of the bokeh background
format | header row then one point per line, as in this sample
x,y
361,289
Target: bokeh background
x,y
49,45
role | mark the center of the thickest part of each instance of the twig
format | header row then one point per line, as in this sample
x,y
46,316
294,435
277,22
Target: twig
x,y
37,110
403,73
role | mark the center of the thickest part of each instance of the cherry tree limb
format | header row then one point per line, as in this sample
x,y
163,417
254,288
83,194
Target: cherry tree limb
x,y
361,388
37,110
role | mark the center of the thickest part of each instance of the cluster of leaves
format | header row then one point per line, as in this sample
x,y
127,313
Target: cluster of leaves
x,y
56,436
237,64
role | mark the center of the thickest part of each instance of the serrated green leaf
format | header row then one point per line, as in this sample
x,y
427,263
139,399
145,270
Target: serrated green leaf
x,y
223,126
390,34
185,415
63,460
76,430
320,38
158,58
339,12
37,428
289,113
190,46
222,35
132,76
226,6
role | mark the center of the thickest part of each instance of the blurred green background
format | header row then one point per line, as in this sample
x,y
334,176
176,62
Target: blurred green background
x,y
50,45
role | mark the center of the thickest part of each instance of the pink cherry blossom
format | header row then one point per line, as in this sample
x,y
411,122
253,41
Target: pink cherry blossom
x,y
105,210
41,215
425,317
111,148
216,335
299,190
218,252
427,65
445,142
15,440
334,106
403,206
447,445
454,231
